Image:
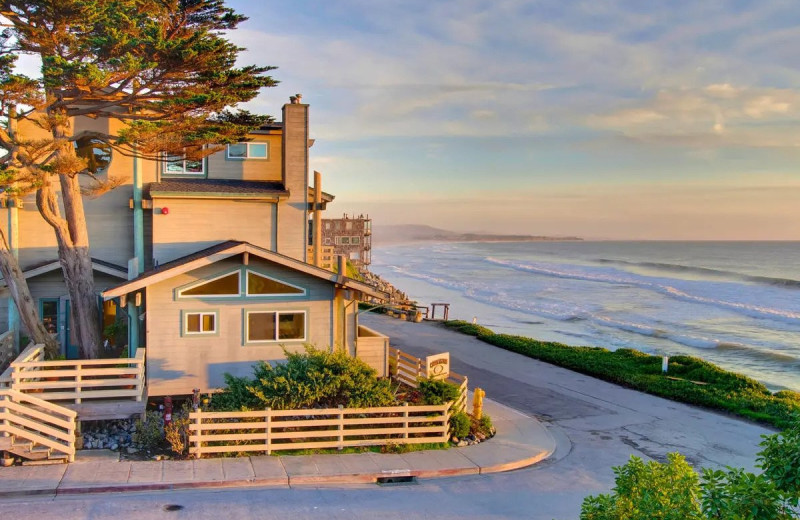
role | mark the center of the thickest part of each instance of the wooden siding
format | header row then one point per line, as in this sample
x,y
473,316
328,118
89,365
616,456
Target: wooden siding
x,y
177,364
293,214
194,224
218,166
373,348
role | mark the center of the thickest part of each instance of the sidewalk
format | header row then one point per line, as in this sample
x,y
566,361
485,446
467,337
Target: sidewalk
x,y
520,441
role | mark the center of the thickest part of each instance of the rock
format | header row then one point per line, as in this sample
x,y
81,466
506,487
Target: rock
x,y
461,444
131,450
114,447
454,440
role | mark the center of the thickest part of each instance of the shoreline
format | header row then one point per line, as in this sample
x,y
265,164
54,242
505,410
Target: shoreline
x,y
689,379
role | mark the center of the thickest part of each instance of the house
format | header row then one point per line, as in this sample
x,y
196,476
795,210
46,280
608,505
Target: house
x,y
350,236
174,230
222,309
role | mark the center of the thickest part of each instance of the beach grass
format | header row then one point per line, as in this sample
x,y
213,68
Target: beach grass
x,y
689,379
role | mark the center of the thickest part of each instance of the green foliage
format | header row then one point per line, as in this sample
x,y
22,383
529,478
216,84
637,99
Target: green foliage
x,y
672,490
437,391
459,424
149,432
483,425
177,431
311,379
722,390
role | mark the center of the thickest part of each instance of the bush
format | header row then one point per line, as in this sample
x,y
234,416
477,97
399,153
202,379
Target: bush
x,y
483,425
149,432
722,390
459,425
311,379
437,391
177,431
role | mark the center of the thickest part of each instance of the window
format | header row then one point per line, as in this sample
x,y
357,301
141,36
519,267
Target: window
x,y
355,240
260,285
225,285
275,326
348,226
200,323
49,314
327,241
343,241
327,226
179,165
248,151
96,152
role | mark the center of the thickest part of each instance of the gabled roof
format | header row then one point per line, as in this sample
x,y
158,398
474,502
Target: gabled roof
x,y
217,188
100,266
228,249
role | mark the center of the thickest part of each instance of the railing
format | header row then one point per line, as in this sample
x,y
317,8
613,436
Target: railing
x,y
38,421
408,369
280,430
76,380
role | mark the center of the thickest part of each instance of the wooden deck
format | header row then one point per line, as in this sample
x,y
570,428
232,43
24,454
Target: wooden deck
x,y
107,410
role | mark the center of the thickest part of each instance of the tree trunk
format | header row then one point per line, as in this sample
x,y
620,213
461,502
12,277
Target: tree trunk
x,y
21,294
73,240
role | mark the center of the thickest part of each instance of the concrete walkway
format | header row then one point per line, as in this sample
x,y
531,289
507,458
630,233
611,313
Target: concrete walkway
x,y
520,441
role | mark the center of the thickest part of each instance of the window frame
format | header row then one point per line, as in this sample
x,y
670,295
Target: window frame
x,y
165,162
185,332
247,294
355,241
277,313
248,157
179,291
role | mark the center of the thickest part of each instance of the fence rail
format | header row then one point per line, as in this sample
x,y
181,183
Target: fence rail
x,y
409,369
76,380
38,421
280,430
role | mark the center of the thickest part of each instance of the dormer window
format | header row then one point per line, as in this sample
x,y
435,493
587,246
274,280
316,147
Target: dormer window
x,y
248,151
179,165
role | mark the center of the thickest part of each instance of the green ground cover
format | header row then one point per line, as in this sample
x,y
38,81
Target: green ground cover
x,y
689,380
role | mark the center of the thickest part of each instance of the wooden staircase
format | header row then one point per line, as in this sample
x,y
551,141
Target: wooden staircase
x,y
36,430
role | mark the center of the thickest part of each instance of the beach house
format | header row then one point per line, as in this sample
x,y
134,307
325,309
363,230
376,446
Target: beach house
x,y
205,263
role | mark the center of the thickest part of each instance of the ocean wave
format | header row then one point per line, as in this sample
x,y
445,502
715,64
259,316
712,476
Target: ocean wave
x,y
679,268
754,311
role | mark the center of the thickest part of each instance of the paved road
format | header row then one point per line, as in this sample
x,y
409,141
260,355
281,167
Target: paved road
x,y
598,425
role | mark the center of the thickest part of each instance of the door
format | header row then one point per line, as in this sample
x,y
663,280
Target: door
x,y
71,348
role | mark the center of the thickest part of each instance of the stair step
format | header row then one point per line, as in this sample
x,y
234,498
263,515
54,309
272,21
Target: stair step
x,y
30,455
44,462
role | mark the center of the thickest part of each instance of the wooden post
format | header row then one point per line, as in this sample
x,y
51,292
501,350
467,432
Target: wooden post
x,y
78,379
267,417
341,428
198,432
316,239
405,420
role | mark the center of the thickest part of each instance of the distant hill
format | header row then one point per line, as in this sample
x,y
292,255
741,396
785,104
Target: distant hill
x,y
396,234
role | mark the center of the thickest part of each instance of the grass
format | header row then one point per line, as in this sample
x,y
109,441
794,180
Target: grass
x,y
723,391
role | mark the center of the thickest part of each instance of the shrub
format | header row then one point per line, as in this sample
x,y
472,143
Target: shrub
x,y
459,425
177,431
311,379
149,432
437,391
483,425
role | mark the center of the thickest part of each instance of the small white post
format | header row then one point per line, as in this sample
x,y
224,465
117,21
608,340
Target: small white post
x,y
78,379
341,428
664,364
268,415
198,433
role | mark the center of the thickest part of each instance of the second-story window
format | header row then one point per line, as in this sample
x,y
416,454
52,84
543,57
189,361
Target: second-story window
x,y
179,165
248,151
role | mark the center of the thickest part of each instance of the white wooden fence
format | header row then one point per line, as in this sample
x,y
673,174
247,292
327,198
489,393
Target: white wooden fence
x,y
37,421
76,380
280,430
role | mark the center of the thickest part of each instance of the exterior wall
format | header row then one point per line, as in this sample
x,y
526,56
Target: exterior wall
x,y
293,214
194,224
373,349
218,166
176,364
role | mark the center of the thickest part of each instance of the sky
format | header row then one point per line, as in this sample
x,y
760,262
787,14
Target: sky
x,y
606,119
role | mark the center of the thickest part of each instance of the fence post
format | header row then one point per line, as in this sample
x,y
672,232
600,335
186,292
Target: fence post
x,y
198,432
268,416
405,420
4,410
341,428
78,379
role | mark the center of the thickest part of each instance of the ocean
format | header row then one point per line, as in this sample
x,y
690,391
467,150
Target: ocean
x,y
735,304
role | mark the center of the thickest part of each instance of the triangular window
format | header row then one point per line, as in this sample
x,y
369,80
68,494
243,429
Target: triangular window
x,y
225,285
260,285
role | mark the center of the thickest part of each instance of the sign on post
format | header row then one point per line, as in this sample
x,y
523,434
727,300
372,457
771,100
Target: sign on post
x,y
437,366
